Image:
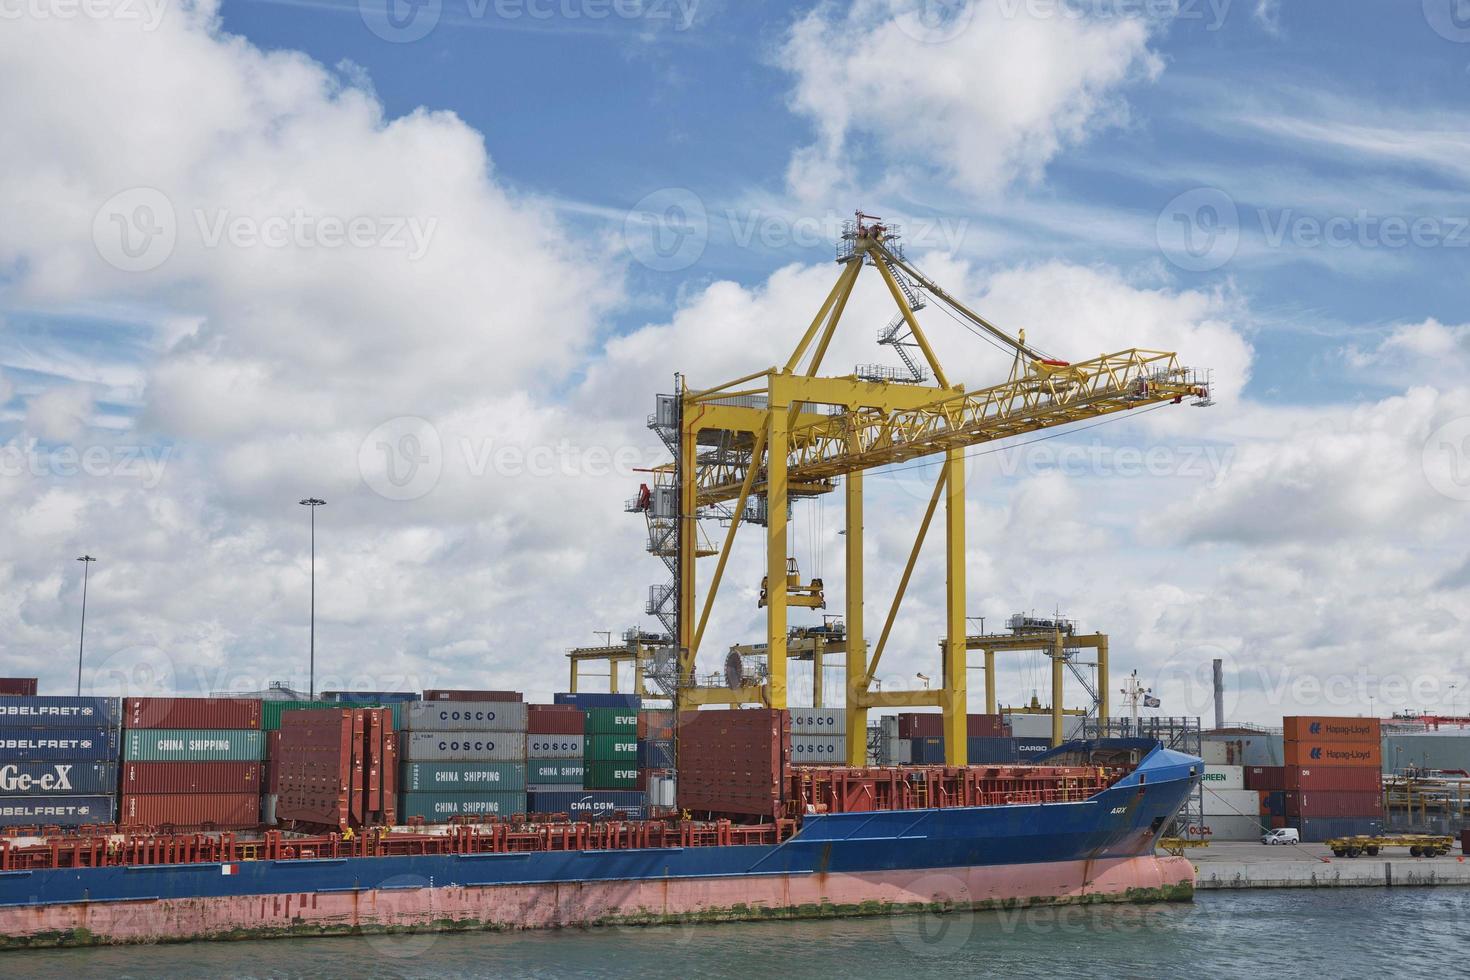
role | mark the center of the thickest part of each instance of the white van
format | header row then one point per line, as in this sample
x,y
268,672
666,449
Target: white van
x,y
1282,835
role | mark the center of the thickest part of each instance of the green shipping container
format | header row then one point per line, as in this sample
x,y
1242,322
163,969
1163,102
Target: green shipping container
x,y
610,721
611,748
554,772
192,745
462,777
270,711
439,807
612,775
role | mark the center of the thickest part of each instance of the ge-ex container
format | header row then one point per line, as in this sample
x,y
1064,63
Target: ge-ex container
x,y
58,778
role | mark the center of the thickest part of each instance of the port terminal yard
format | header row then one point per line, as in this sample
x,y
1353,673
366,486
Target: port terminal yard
x,y
1233,865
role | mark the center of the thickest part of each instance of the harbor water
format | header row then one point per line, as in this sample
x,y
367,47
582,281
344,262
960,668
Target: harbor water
x,y
1343,932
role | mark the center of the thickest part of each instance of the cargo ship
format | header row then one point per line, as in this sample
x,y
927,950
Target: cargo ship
x,y
1078,825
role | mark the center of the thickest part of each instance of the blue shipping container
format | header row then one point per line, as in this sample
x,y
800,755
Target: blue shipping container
x,y
656,755
1318,829
48,712
370,697
57,778
59,745
590,804
1276,803
1030,748
927,751
600,700
63,811
993,751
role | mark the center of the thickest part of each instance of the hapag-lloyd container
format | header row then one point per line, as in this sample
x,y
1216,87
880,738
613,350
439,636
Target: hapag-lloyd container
x,y
58,744
540,746
1312,728
62,811
464,716
49,712
828,750
193,745
58,778
191,777
567,772
1334,779
462,777
202,810
238,713
439,807
462,746
585,805
1361,754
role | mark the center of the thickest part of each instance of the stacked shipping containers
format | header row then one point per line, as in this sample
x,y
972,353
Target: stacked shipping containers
x,y
191,762
656,756
463,758
818,736
733,762
610,748
1269,785
58,761
554,749
989,740
1333,776
1231,811
335,768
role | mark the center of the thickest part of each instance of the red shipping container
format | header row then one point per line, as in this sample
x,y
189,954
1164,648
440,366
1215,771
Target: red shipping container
x,y
1313,728
1265,778
559,719
191,810
916,724
986,726
191,777
448,695
734,761
1336,779
237,713
1360,754
272,768
1316,803
21,687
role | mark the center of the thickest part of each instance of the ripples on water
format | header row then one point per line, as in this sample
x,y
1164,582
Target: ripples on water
x,y
1261,935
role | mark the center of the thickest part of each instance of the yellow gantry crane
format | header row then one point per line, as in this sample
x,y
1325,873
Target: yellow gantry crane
x,y
788,432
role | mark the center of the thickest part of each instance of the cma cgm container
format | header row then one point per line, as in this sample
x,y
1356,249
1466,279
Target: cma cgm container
x,y
590,805
192,777
60,811
463,746
463,777
192,745
439,807
49,712
58,778
464,716
58,744
197,810
239,713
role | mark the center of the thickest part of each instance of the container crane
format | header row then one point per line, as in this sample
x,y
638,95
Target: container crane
x,y
788,432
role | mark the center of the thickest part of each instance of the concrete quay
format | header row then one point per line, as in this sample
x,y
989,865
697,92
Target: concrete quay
x,y
1228,865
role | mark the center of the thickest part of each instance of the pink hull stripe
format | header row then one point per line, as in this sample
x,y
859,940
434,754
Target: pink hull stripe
x,y
409,903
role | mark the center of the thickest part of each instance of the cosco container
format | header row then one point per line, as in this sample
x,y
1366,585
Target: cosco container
x,y
630,701
818,721
611,721
58,744
555,746
462,777
238,713
63,811
464,716
48,712
590,805
829,750
611,748
192,810
463,746
191,777
439,807
192,745
611,775
555,772
58,778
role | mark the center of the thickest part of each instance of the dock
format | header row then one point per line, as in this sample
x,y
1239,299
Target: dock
x,y
1229,865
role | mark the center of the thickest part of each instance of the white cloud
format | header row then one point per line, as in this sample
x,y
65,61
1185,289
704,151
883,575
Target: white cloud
x,y
59,414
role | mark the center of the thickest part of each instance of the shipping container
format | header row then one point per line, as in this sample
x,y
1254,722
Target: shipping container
x,y
1318,829
58,744
927,751
1027,725
463,777
191,777
1223,777
18,687
984,751
440,807
463,746
441,694
611,748
370,699
611,721
1243,749
1028,749
631,701
1334,754
657,754
1265,777
1340,779
1273,802
182,713
656,724
1312,728
50,712
554,719
829,750
987,726
1235,828
271,711
58,778
894,751
1317,803
224,811
818,721
60,811
734,762
555,746
590,805
611,775
1232,802
566,772
464,716
192,745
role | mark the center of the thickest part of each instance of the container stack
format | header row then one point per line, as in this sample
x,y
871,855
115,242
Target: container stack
x,y
1269,785
451,695
373,699
1334,776
734,762
335,768
989,741
192,763
58,761
1231,811
555,745
463,758
818,737
17,687
656,756
610,749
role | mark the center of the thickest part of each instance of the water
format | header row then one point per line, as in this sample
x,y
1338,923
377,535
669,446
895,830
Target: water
x,y
1368,932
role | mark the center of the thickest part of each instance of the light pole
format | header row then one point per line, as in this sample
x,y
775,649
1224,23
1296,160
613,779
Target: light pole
x,y
86,561
313,503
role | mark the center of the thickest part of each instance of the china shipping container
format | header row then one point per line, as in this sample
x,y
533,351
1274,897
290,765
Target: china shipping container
x,y
439,694
197,713
463,777
58,745
190,810
818,721
555,746
540,773
53,712
58,778
611,721
439,807
1319,729
611,775
628,701
61,811
1269,778
191,777
1342,779
462,746
611,748
590,805
1361,754
829,750
18,687
192,745
464,716
1315,803
554,719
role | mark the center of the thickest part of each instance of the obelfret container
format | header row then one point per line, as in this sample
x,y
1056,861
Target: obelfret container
x,y
58,778
462,777
60,811
192,745
611,748
1223,777
611,721
224,811
191,777
465,716
58,744
818,721
440,807
555,746
826,750
463,746
49,712
590,805
180,713
563,772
